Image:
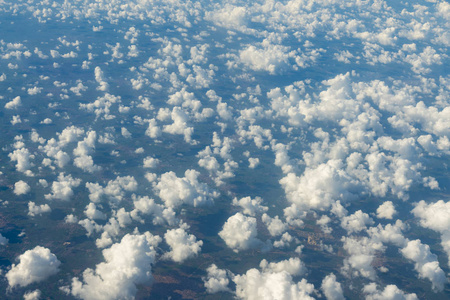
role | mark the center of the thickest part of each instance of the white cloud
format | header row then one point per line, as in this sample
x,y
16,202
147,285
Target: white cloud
x,y
175,191
14,103
425,263
435,216
386,210
21,188
390,292
216,280
331,288
150,162
93,213
34,266
239,232
127,264
182,245
293,266
356,222
274,225
34,209
268,284
32,295
250,206
3,240
22,156
62,189
103,85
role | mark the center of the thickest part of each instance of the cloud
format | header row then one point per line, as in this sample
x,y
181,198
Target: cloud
x,y
362,253
21,188
34,266
22,156
34,209
216,280
271,284
435,216
32,295
175,191
425,263
103,85
239,232
250,206
14,103
127,264
390,292
183,245
3,241
356,222
386,210
331,288
62,189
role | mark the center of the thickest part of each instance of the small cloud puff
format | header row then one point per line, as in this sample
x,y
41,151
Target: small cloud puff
x,y
127,264
239,232
14,103
182,244
34,266
216,280
390,292
386,210
21,188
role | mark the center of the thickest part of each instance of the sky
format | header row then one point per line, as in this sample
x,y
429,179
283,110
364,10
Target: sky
x,y
224,149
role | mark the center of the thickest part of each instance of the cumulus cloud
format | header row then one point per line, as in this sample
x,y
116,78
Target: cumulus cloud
x,y
32,295
34,266
34,209
356,222
182,245
127,264
271,284
175,191
22,156
239,232
21,188
3,240
386,210
62,189
331,288
14,103
390,292
250,206
425,263
216,280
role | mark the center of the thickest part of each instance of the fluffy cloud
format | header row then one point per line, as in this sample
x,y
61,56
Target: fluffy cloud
x,y
319,187
127,264
435,216
62,189
14,103
32,295
216,280
21,188
271,284
390,292
356,222
34,209
22,156
3,240
182,245
250,206
239,232
425,263
34,266
386,210
175,191
331,288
